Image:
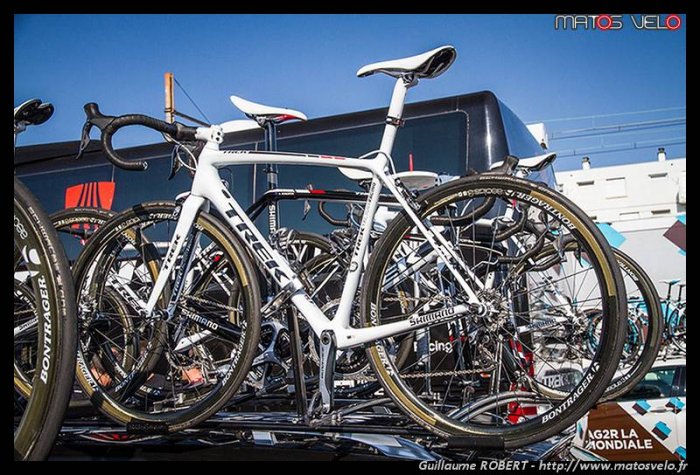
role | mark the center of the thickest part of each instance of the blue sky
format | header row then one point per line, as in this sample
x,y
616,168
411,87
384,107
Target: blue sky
x,y
308,62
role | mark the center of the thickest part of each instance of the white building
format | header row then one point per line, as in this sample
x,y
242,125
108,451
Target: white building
x,y
637,205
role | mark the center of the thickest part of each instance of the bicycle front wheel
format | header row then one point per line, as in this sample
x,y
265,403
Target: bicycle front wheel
x,y
73,227
165,372
45,325
515,373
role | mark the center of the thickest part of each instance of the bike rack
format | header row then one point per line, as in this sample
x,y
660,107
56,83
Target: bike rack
x,y
369,426
379,434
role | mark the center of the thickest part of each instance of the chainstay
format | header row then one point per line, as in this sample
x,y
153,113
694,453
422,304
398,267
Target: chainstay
x,y
210,302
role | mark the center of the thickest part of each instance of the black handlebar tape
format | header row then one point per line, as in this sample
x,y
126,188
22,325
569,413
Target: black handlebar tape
x,y
108,131
478,212
109,126
330,219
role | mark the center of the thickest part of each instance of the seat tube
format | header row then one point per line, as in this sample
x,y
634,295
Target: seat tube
x,y
271,171
393,118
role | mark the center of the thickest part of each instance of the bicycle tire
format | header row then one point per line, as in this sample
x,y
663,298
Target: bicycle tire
x,y
65,220
677,332
172,421
43,416
595,381
654,335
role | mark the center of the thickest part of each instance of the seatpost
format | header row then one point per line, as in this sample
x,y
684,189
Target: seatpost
x,y
272,175
668,300
393,118
680,292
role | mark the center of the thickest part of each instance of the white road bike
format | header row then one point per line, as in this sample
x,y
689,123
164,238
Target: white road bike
x,y
422,274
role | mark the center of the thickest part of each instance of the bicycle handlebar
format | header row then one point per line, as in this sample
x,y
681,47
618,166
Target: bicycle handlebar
x,y
109,125
330,219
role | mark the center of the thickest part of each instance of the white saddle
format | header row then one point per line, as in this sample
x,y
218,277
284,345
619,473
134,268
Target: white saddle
x,y
414,180
262,112
670,281
533,164
427,65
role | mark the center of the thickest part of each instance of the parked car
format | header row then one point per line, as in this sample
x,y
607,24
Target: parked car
x,y
648,423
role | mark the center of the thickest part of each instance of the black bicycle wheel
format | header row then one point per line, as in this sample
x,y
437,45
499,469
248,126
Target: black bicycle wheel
x,y
302,246
644,328
644,320
42,273
677,329
506,376
73,226
188,365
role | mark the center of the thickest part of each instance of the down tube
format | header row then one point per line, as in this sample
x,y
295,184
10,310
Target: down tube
x,y
276,265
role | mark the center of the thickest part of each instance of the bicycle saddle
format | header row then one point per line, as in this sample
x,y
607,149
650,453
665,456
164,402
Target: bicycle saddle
x,y
427,65
262,113
33,112
670,281
413,180
532,164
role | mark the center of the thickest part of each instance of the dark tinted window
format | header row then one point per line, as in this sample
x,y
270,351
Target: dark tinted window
x,y
657,383
130,187
437,143
679,383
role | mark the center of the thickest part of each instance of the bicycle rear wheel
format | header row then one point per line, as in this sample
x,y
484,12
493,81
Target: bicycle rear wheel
x,y
644,328
45,303
515,374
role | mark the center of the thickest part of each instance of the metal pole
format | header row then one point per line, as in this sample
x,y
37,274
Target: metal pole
x,y
169,99
169,102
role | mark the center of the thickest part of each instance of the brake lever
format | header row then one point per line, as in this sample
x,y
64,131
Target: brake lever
x,y
307,205
175,164
84,139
